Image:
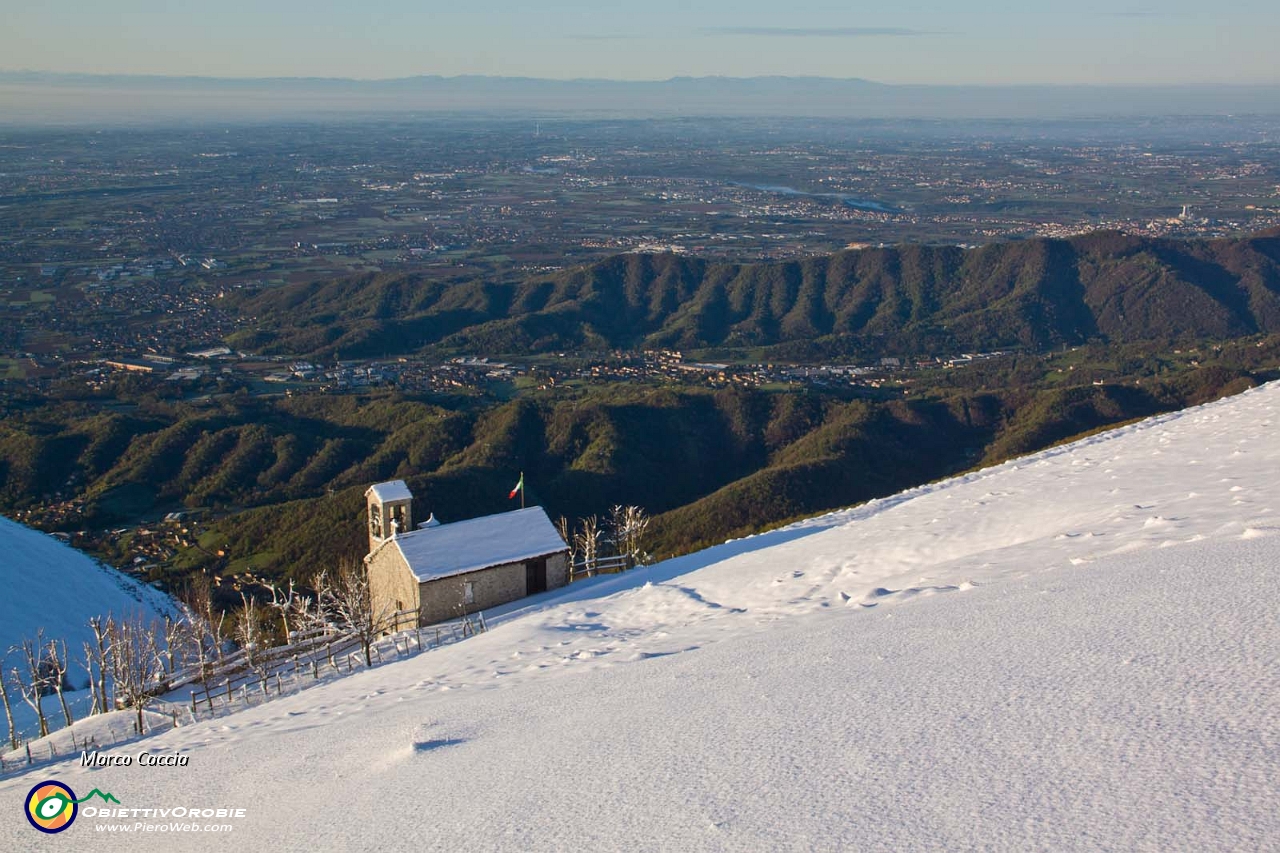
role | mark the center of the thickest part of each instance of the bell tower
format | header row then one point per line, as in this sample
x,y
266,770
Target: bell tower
x,y
390,514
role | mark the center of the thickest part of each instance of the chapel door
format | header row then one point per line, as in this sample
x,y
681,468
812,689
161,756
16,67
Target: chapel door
x,y
535,575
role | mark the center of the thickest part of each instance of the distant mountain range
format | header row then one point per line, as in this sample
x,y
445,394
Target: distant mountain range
x,y
40,97
910,299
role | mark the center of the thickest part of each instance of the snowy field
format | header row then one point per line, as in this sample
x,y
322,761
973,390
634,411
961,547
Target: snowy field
x,y
46,584
1075,651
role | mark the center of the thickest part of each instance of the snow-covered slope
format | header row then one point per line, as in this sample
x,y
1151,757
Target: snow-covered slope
x,y
46,584
1076,651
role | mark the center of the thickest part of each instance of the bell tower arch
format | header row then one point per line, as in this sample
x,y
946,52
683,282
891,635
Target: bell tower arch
x,y
390,511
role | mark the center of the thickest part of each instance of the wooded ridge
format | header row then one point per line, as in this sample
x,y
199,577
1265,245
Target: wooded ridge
x,y
1036,294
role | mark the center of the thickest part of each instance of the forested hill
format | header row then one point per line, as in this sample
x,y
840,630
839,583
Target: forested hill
x,y
1038,293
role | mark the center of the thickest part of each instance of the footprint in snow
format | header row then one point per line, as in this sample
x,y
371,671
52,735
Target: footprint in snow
x,y
428,738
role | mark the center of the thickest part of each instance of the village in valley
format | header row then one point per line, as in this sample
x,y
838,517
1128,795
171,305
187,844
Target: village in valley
x,y
286,374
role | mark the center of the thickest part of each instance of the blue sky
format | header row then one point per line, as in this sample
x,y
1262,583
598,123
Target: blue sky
x,y
986,41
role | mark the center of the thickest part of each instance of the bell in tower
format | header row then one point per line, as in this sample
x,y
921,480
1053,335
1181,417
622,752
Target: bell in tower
x,y
390,507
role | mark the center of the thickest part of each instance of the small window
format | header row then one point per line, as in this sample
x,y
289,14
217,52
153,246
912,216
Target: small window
x,y
468,593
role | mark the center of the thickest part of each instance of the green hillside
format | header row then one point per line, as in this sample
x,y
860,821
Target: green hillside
x,y
1037,294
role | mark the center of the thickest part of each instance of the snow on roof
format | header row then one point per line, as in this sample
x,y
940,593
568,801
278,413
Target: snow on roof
x,y
478,543
393,490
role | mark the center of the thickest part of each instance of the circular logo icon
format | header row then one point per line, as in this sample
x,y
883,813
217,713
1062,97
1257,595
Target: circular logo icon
x,y
51,807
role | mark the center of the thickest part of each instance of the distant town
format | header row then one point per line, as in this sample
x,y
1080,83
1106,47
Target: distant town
x,y
293,374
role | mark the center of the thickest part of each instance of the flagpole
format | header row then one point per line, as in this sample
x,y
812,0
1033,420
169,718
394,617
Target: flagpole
x,y
522,490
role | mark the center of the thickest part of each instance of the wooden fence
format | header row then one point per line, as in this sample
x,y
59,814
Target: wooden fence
x,y
240,679
601,566
293,667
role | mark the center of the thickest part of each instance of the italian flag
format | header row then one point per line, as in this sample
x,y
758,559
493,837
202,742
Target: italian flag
x,y
519,487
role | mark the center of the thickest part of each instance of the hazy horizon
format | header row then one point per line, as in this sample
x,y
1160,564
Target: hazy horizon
x,y
930,58
54,75
985,42
41,98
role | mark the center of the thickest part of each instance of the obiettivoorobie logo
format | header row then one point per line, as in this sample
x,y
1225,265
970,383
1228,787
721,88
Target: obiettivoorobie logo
x,y
52,806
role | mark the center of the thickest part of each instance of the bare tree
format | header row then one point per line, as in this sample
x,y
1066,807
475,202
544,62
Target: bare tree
x,y
565,529
135,667
198,597
626,527
219,632
249,633
588,540
303,615
284,600
8,713
309,611
34,687
25,693
320,617
56,663
350,600
198,641
179,640
95,704
102,632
